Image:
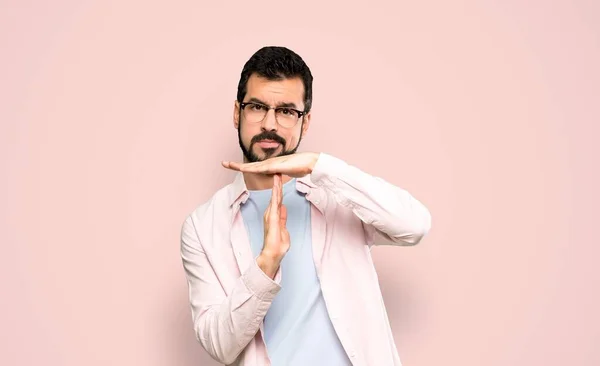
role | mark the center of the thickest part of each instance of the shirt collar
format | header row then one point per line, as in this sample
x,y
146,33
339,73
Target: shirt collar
x,y
238,192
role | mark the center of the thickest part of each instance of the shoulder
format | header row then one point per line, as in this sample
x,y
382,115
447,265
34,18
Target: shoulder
x,y
218,203
208,223
207,219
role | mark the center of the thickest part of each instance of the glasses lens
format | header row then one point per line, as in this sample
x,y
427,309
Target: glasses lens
x,y
255,112
286,117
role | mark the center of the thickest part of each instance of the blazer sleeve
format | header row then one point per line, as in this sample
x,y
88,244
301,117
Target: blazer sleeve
x,y
223,324
384,208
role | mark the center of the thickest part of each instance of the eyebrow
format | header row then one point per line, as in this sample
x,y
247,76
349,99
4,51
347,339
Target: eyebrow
x,y
280,104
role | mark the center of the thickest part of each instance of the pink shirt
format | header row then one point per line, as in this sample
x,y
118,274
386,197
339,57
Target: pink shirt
x,y
350,209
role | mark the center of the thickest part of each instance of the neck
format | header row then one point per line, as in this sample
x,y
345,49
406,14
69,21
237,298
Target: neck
x,y
255,182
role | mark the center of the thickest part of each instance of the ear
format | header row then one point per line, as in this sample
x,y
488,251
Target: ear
x,y
236,115
306,123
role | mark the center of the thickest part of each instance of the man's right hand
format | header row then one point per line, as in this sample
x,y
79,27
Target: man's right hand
x,y
276,239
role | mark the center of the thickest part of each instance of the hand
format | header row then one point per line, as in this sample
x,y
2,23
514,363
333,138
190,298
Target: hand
x,y
296,165
277,238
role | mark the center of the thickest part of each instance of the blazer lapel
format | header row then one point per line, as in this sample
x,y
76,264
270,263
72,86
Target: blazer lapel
x,y
318,199
240,243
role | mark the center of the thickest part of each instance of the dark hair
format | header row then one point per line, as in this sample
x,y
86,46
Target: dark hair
x,y
277,63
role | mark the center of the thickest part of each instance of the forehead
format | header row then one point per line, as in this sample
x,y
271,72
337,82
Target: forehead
x,y
275,91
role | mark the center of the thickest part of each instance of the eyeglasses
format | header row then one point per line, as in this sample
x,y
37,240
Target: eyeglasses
x,y
285,116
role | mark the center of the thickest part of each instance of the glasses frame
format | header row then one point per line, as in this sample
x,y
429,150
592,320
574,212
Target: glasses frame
x,y
301,114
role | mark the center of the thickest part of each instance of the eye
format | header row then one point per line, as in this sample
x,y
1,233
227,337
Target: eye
x,y
287,112
257,107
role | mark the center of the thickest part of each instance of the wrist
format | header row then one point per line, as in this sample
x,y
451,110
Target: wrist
x,y
315,157
268,263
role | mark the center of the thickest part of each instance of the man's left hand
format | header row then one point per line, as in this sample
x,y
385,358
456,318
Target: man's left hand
x,y
295,165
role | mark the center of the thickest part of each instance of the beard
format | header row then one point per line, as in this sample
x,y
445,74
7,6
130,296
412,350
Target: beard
x,y
269,153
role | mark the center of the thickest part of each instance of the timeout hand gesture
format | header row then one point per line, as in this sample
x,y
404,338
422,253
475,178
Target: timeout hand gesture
x,y
277,239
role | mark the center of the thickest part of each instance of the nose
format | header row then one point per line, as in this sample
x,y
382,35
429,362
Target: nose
x,y
269,123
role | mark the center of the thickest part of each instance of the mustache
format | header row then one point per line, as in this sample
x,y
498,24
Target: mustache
x,y
268,135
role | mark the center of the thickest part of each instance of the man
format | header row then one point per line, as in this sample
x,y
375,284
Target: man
x,y
278,262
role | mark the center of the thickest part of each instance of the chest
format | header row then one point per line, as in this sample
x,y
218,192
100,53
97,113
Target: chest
x,y
298,223
319,229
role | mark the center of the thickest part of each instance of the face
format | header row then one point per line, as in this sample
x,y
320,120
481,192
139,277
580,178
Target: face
x,y
283,141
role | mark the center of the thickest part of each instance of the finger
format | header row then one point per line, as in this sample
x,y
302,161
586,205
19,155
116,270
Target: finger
x,y
279,189
259,168
242,167
267,214
274,203
270,166
271,221
230,165
283,216
284,235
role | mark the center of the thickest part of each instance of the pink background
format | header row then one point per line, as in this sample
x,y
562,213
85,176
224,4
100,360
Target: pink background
x,y
114,116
